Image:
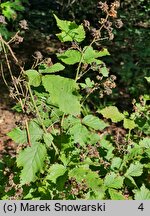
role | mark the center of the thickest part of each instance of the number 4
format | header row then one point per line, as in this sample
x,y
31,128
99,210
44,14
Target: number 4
x,y
141,207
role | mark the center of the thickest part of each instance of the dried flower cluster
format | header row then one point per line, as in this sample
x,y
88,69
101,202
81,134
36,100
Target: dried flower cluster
x,y
38,55
78,189
18,39
23,24
110,11
108,85
92,151
2,20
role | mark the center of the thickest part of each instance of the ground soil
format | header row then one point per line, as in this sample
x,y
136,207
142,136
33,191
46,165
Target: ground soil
x,y
7,122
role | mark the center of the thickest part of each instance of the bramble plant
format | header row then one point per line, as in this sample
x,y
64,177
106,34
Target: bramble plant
x,y
65,150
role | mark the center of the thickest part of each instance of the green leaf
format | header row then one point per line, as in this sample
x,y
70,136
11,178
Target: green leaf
x,y
63,93
148,152
129,124
34,77
17,5
93,181
148,79
92,178
55,171
35,131
80,133
110,153
70,31
32,160
48,139
132,180
104,71
103,52
135,152
18,135
105,143
94,122
8,10
94,138
145,142
79,173
30,194
89,83
4,33
110,148
115,195
52,69
142,194
70,57
69,121
113,113
135,170
112,180
90,55
116,163
97,195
